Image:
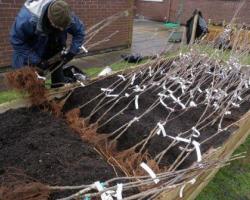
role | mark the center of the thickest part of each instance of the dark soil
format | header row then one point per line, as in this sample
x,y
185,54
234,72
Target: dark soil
x,y
47,150
141,129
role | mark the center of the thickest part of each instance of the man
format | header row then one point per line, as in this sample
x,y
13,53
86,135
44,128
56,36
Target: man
x,y
40,32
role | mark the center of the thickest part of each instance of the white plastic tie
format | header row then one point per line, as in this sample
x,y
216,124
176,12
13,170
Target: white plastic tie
x,y
246,84
164,85
181,104
177,101
136,102
150,172
180,139
112,95
195,143
127,95
84,49
81,83
99,186
192,104
133,79
119,191
165,105
196,133
106,195
155,83
198,150
181,190
191,93
163,95
216,105
228,113
161,130
183,187
235,105
107,90
170,91
40,77
150,71
122,77
139,89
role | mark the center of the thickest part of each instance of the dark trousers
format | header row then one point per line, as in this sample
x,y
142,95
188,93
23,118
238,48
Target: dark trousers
x,y
55,46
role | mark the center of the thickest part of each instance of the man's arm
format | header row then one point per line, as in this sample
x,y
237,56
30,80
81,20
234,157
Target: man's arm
x,y
77,31
21,32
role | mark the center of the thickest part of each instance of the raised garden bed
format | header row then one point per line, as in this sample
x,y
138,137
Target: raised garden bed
x,y
177,117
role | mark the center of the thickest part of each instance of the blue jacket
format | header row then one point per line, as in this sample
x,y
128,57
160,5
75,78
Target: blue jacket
x,y
28,38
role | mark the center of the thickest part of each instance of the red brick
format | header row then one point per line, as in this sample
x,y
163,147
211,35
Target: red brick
x,y
90,11
216,10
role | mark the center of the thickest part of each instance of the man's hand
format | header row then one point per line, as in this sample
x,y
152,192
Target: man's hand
x,y
68,57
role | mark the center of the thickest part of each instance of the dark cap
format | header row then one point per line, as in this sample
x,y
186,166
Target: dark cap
x,y
59,14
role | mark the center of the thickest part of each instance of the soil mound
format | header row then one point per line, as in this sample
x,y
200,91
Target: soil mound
x,y
110,103
47,150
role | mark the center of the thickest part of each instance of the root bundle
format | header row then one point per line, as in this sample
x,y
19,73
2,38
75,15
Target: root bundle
x,y
26,80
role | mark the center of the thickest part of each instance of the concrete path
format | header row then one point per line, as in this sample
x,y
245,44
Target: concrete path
x,y
151,38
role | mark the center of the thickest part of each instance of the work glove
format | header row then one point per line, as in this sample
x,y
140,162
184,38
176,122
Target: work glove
x,y
68,57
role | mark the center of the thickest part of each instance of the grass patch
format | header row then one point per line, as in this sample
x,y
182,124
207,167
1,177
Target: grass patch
x,y
231,182
9,96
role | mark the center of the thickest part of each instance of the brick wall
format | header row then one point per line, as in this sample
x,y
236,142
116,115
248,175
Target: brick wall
x,y
90,11
158,11
216,10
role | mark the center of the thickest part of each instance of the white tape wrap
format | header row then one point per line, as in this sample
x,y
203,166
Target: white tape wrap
x,y
99,186
139,89
181,190
150,172
196,133
133,79
183,187
165,105
119,191
177,100
161,130
164,85
107,90
40,77
198,150
192,104
136,102
84,49
81,83
112,95
122,77
150,71
195,143
106,195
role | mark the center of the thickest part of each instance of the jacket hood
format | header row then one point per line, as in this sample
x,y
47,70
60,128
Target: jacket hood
x,y
38,9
